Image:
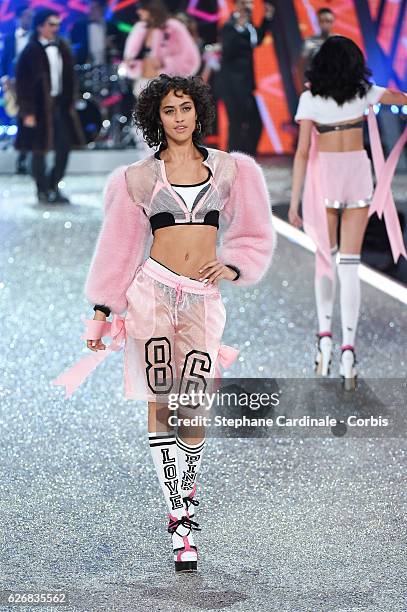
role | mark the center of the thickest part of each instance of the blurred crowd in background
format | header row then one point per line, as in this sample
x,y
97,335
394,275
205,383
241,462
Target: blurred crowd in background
x,y
89,77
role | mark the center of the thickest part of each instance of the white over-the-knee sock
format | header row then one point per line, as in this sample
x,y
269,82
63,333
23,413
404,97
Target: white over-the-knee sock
x,y
163,448
325,296
189,461
348,272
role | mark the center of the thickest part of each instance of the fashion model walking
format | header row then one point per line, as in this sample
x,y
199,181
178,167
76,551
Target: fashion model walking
x,y
331,156
169,206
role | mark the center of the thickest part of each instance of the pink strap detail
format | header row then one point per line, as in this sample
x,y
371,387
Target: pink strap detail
x,y
94,330
226,356
325,334
383,201
347,347
187,548
314,212
173,519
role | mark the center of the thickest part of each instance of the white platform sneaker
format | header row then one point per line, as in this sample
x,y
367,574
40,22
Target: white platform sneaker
x,y
347,368
184,549
324,354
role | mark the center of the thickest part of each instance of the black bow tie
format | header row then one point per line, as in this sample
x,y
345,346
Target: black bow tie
x,y
50,44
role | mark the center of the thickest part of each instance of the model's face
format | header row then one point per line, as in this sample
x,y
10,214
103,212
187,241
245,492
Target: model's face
x,y
326,23
50,28
25,19
178,116
143,14
245,6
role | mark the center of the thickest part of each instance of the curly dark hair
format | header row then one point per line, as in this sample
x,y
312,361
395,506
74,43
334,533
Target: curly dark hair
x,y
146,114
339,71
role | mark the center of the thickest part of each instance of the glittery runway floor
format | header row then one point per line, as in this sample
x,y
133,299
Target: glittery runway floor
x,y
289,524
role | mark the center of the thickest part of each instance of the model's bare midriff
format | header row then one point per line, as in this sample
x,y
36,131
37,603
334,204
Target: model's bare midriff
x,y
341,141
185,248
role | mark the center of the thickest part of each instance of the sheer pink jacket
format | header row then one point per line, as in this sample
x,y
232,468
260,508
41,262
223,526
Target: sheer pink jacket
x,y
246,236
173,46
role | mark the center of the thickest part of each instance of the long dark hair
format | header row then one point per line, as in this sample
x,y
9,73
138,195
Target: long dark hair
x,y
158,12
147,111
339,71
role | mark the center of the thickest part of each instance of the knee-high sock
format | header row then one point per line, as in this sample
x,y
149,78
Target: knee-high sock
x,y
163,448
348,272
189,461
325,296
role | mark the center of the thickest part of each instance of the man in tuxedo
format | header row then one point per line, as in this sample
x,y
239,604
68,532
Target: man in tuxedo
x,y
45,96
312,44
13,45
239,37
95,40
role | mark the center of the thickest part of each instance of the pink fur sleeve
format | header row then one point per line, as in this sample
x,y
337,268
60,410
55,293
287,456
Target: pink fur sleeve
x,y
132,48
120,246
250,239
182,54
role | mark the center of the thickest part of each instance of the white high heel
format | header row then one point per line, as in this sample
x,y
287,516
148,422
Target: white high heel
x,y
323,358
347,367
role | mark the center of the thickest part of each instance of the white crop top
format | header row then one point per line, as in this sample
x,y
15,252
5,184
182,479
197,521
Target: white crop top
x,y
327,110
189,193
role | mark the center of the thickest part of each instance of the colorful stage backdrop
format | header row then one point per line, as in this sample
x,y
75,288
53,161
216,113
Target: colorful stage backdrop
x,y
378,26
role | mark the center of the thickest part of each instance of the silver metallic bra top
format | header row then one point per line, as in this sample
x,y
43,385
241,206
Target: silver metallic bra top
x,y
171,215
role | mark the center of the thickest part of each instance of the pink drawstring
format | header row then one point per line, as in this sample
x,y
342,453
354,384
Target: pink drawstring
x,y
178,298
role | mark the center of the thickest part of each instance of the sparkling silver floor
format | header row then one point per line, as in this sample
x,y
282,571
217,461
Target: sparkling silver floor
x,y
288,524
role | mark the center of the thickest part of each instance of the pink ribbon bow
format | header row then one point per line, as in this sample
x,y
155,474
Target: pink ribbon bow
x,y
94,330
314,212
226,356
383,201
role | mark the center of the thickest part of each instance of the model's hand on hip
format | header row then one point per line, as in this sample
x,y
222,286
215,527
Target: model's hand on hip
x,y
214,271
30,121
97,345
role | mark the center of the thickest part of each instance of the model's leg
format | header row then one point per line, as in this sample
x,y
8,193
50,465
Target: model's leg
x,y
190,447
163,449
325,296
324,287
353,227
164,453
193,363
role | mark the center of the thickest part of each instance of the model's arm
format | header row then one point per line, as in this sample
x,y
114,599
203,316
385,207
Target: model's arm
x,y
299,170
392,96
134,41
120,246
249,240
266,23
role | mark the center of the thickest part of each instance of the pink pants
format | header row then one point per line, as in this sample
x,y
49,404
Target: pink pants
x,y
346,179
174,326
